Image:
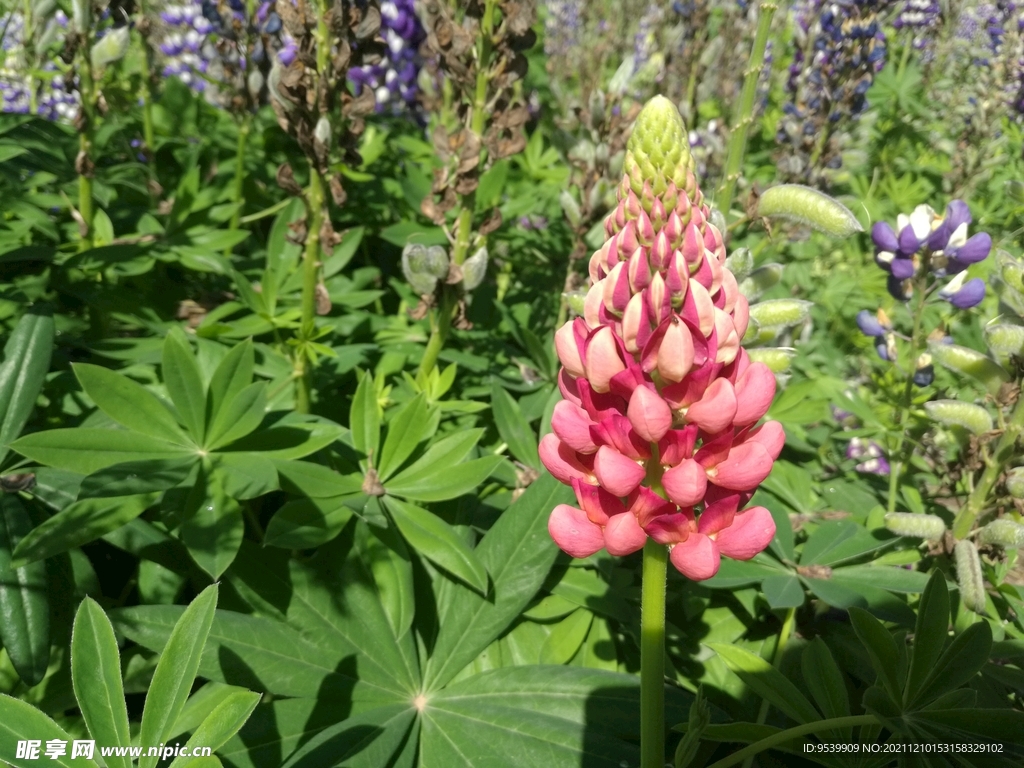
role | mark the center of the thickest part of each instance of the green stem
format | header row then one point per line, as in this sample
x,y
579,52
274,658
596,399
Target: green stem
x,y
896,465
146,94
236,191
745,110
29,37
310,273
1005,450
782,737
87,91
442,322
652,656
780,646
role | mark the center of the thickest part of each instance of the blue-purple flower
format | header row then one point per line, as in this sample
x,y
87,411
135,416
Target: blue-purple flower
x,y
52,94
394,79
874,460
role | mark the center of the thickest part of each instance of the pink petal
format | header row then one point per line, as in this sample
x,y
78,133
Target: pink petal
x,y
616,289
616,473
572,425
597,502
602,358
573,532
677,444
715,449
593,304
649,414
639,268
567,386
671,528
623,535
716,409
755,389
771,436
728,341
561,460
636,323
744,468
645,505
749,534
719,515
685,484
615,431
696,558
698,309
568,348
741,315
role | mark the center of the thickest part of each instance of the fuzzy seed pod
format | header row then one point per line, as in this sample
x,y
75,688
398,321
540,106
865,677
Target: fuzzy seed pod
x,y
969,576
415,269
570,207
322,131
780,313
778,359
969,362
803,205
760,280
973,418
1003,532
474,269
740,263
1015,482
927,527
1005,339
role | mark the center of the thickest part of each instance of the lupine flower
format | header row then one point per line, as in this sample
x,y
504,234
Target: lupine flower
x,y
657,432
56,98
563,26
920,18
394,80
927,245
874,461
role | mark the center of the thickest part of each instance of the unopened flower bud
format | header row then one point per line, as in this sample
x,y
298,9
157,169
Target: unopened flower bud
x,y
969,576
1003,532
928,527
971,417
322,131
111,47
474,268
570,207
1015,482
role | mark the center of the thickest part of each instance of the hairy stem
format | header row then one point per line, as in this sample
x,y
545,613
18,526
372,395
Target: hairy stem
x,y
744,116
652,656
1005,450
237,197
87,91
897,452
782,737
310,272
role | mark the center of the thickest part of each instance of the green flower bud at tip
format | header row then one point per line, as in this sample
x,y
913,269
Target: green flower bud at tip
x,y
474,269
970,363
658,150
1015,482
969,576
1003,532
778,359
971,417
927,527
803,205
781,313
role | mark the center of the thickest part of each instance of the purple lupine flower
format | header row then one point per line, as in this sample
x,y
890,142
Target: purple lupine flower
x,y
394,80
920,18
874,460
869,324
563,26
56,96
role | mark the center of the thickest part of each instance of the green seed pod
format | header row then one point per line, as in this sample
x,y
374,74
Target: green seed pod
x,y
969,577
778,359
111,47
1010,299
1005,533
971,363
1011,270
576,301
582,152
322,131
971,417
803,205
436,262
1015,482
570,207
760,280
474,269
927,527
414,267
1004,339
781,313
753,332
740,263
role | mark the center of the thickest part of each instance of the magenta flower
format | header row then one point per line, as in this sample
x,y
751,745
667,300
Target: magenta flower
x,y
657,432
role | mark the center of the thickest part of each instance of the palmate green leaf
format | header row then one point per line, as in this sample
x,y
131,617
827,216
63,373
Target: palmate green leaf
x,y
96,675
214,527
882,651
960,662
364,418
239,416
929,634
233,374
221,724
407,428
307,523
513,427
133,477
890,577
292,436
518,554
24,601
20,721
26,361
445,453
384,552
316,480
85,450
770,684
367,740
842,594
176,671
837,541
82,522
447,483
245,474
433,538
537,717
185,383
129,404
